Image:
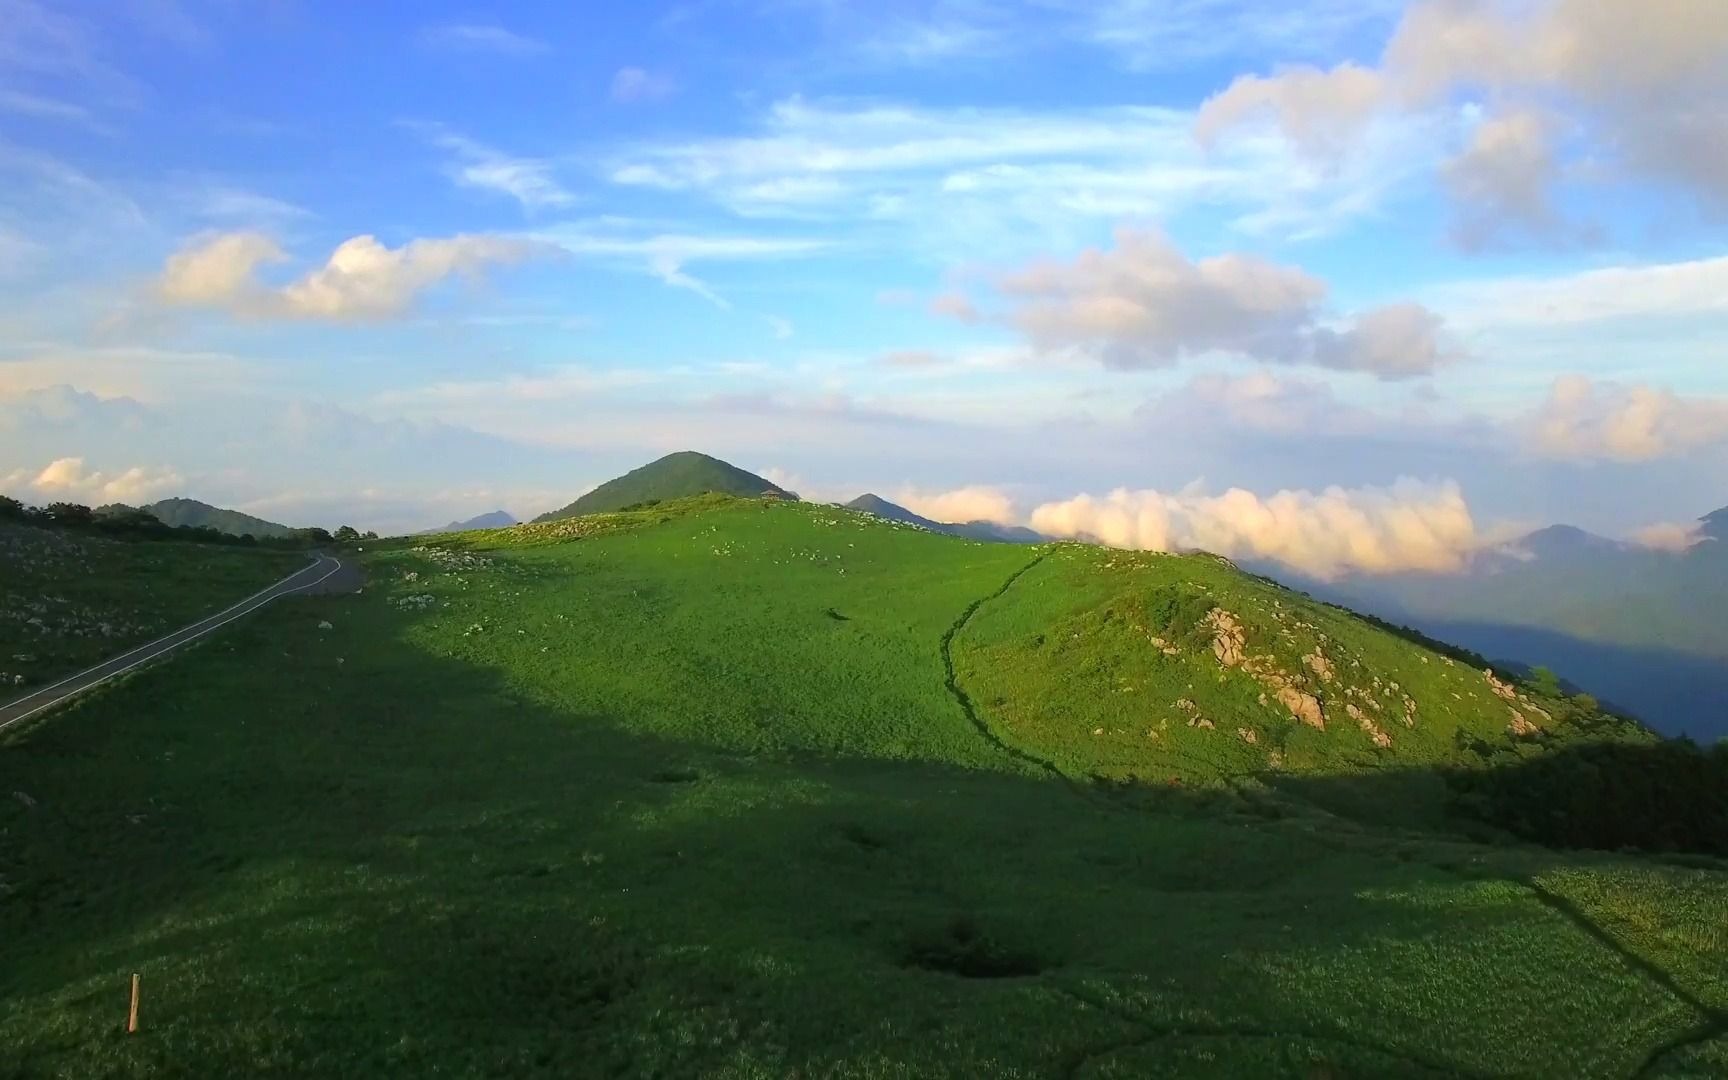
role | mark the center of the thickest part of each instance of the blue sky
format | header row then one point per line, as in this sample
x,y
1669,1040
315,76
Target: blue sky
x,y
1459,260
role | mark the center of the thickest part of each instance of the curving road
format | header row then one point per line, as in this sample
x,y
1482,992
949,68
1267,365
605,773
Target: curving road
x,y
325,574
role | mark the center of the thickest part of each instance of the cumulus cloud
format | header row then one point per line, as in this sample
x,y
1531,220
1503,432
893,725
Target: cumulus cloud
x,y
68,480
1502,178
363,279
1584,419
972,503
1646,84
1670,536
1145,304
1321,111
1409,526
634,84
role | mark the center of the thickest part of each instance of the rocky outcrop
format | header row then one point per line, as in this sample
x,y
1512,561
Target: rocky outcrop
x,y
1229,640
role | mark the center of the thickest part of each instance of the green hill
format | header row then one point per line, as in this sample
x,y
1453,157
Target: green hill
x,y
232,522
762,788
675,476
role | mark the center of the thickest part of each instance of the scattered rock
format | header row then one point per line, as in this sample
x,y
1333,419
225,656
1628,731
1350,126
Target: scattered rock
x,y
1247,735
1318,664
29,803
1304,707
1504,690
1522,727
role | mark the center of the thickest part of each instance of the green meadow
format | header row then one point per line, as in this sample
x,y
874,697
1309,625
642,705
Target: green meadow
x,y
757,788
69,600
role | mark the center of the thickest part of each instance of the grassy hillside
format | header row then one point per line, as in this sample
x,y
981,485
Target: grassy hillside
x,y
232,522
675,476
69,600
733,789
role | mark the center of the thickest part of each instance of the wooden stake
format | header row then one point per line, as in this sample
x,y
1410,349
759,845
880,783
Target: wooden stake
x,y
132,1017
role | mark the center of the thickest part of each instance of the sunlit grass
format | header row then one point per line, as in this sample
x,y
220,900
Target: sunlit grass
x,y
696,800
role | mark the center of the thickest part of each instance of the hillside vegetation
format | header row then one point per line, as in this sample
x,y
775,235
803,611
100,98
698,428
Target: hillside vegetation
x,y
232,522
69,600
762,789
675,476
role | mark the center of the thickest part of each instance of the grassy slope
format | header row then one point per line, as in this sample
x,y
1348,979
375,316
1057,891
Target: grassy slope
x,y
1067,670
95,597
675,476
695,799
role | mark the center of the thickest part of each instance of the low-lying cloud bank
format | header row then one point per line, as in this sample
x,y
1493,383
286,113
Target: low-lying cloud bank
x,y
1408,526
69,480
974,503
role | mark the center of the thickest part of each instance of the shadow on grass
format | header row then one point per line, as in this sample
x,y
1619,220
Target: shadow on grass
x,y
395,864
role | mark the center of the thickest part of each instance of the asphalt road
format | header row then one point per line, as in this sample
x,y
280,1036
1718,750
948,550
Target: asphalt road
x,y
326,574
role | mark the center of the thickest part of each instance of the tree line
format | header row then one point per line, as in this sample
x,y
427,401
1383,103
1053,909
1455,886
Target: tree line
x,y
134,523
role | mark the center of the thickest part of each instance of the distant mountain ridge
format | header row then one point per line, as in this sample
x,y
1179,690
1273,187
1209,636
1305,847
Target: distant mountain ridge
x,y
1642,627
497,519
192,512
871,503
675,476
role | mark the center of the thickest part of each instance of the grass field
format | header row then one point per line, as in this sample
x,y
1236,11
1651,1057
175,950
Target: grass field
x,y
68,600
771,789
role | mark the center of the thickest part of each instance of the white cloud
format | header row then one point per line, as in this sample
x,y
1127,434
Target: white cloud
x,y
633,84
1645,85
1584,419
481,37
1409,526
1145,304
218,271
68,480
960,505
781,327
1321,111
1504,177
363,279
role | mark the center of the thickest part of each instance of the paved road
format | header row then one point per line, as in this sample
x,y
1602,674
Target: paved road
x,y
326,574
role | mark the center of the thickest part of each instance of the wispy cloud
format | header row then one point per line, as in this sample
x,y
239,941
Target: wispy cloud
x,y
530,181
667,255
46,108
959,178
481,38
633,84
1656,290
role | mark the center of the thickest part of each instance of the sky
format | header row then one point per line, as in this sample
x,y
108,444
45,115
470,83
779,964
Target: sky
x,y
1358,284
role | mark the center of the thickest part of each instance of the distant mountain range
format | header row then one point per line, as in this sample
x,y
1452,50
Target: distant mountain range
x,y
972,530
674,476
232,522
1643,628
497,519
